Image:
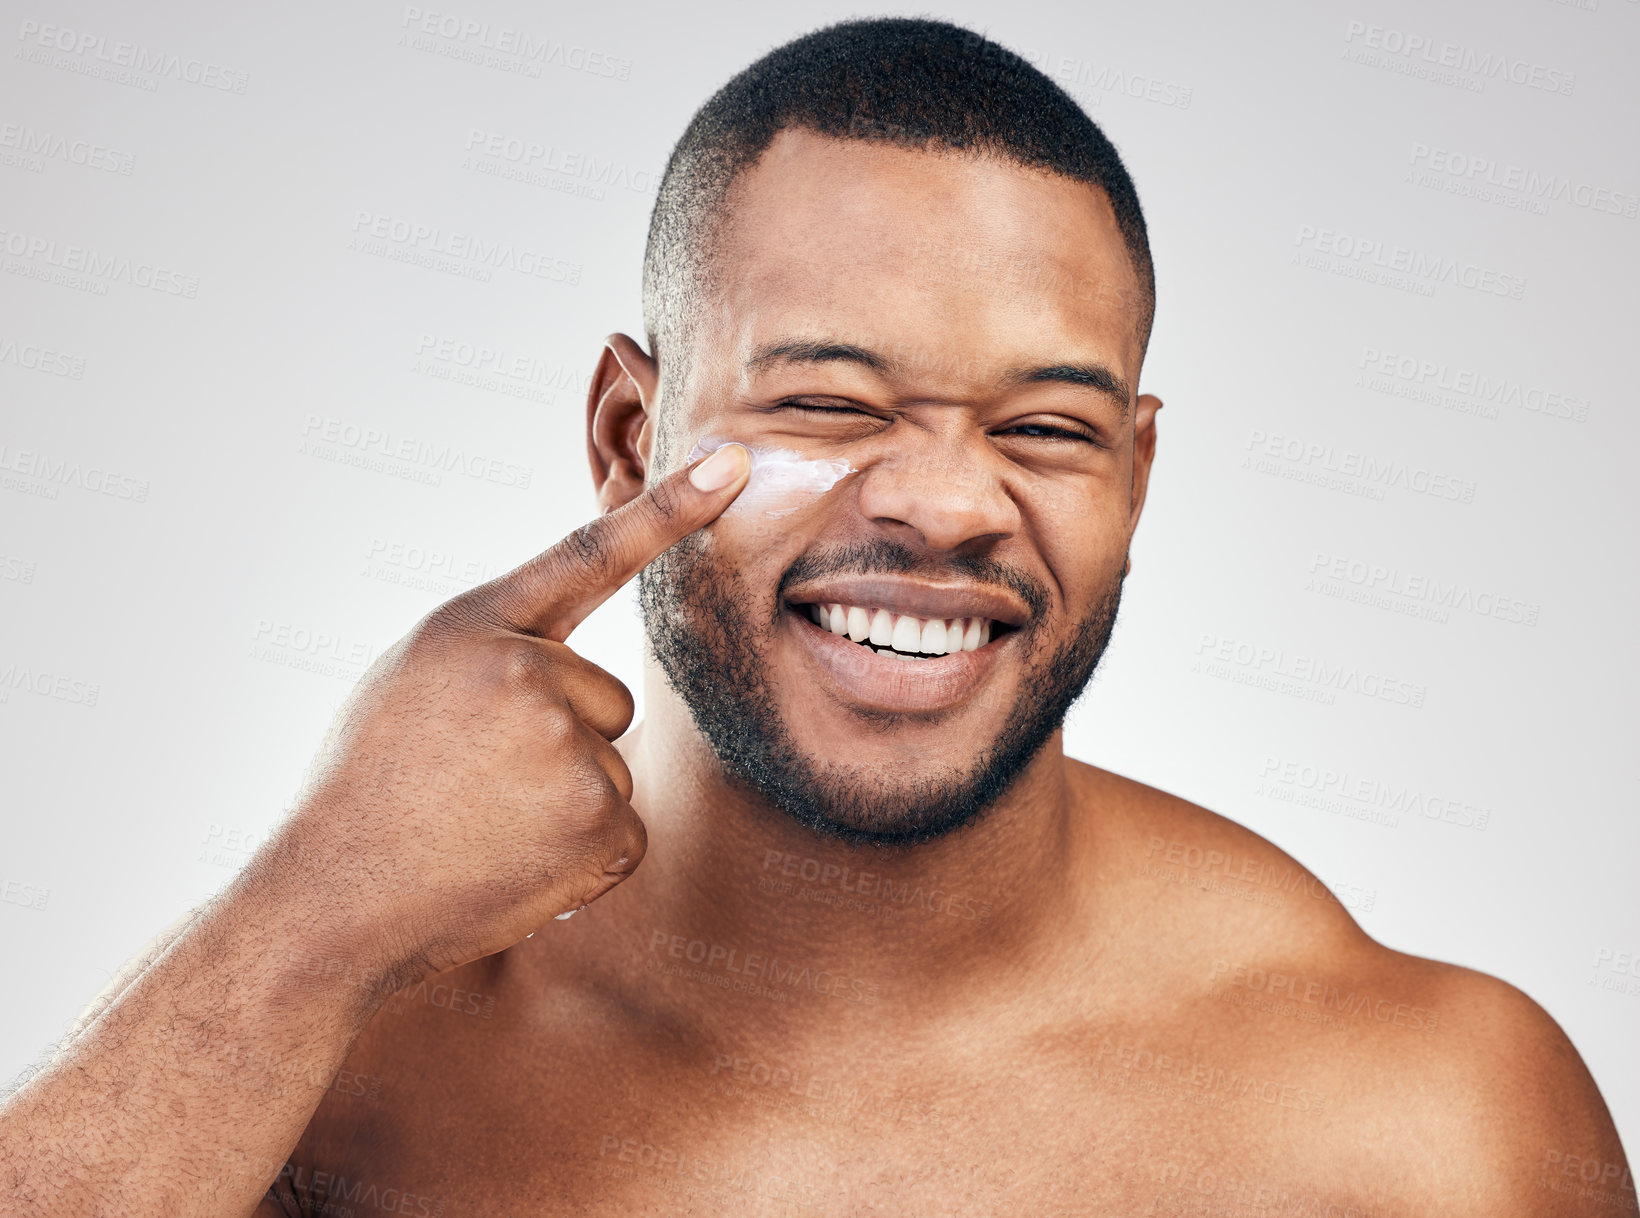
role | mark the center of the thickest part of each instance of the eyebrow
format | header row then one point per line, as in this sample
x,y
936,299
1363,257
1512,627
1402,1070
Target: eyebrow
x,y
823,351
810,351
1090,376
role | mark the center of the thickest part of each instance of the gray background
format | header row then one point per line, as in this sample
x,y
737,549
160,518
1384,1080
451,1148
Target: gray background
x,y
191,574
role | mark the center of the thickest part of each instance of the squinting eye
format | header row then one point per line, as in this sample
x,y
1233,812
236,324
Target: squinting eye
x,y
815,408
1044,431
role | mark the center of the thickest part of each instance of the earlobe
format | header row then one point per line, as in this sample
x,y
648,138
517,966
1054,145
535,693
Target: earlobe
x,y
619,397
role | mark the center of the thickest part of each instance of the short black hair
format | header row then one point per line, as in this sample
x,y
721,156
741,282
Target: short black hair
x,y
913,82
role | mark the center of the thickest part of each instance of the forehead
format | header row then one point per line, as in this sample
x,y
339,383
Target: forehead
x,y
955,265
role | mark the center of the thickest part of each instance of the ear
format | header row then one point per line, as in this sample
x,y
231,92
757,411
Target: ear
x,y
620,437
1144,452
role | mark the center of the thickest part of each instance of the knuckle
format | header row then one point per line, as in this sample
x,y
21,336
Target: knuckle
x,y
559,732
664,501
514,664
588,547
588,802
456,618
623,706
635,841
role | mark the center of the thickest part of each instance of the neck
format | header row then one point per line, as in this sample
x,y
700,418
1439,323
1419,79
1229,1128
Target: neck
x,y
736,886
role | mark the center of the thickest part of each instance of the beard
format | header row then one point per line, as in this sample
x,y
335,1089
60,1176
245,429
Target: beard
x,y
697,620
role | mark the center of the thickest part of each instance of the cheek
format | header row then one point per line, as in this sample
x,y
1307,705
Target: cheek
x,y
1082,539
782,481
742,557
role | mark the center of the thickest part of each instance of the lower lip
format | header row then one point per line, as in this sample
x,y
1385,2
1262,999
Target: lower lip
x,y
886,683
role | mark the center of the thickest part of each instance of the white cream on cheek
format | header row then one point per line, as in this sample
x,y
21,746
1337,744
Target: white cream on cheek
x,y
781,480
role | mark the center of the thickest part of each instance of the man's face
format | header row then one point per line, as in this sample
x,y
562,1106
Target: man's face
x,y
960,335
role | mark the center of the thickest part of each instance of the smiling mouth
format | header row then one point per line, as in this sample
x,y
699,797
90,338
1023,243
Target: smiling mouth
x,y
900,634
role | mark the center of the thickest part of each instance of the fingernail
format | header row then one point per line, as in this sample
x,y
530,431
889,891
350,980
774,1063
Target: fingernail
x,y
721,468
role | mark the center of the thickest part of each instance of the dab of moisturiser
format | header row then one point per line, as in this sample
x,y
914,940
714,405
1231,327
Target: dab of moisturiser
x,y
781,480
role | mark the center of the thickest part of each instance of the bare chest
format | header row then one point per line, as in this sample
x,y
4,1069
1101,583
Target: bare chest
x,y
590,1124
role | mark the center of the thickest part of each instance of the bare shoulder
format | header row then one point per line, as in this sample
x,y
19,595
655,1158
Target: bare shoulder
x,y
1510,1098
1447,1090
1219,883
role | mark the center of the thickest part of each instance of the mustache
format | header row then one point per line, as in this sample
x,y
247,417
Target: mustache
x,y
881,556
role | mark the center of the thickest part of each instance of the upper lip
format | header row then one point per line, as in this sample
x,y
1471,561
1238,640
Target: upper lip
x,y
913,597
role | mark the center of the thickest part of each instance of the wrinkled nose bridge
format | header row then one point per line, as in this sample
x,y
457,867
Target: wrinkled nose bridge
x,y
947,486
951,458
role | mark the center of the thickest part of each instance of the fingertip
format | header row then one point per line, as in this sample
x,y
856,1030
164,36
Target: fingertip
x,y
723,468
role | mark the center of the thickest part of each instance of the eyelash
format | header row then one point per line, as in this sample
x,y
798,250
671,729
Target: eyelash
x,y
1056,433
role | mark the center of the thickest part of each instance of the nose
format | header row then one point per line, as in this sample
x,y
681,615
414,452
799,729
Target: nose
x,y
943,491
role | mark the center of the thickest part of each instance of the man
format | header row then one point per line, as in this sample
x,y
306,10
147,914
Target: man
x,y
890,951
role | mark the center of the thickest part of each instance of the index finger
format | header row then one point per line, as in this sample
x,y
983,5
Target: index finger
x,y
552,593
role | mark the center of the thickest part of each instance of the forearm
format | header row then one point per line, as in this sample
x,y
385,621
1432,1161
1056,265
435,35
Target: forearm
x,y
186,1094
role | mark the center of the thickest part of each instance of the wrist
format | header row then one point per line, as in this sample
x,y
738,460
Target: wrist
x,y
314,937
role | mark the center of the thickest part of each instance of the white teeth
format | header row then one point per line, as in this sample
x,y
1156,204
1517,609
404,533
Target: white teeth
x,y
907,634
882,628
932,641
